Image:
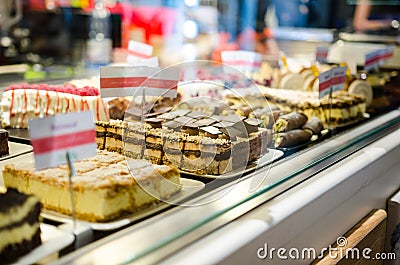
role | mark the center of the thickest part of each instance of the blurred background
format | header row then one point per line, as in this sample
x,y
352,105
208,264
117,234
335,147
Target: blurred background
x,y
55,32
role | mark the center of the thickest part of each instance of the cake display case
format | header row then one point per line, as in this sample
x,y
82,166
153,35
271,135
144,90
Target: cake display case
x,y
254,142
215,165
349,167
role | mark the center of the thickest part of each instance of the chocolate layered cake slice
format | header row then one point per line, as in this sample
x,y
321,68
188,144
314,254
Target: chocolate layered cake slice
x,y
134,139
154,144
101,134
337,109
19,225
4,150
173,143
201,155
114,136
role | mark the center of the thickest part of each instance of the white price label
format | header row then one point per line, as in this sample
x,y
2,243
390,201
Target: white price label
x,y
53,136
136,80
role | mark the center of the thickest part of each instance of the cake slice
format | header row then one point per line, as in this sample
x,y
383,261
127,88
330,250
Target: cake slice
x,y
4,149
104,188
22,102
19,225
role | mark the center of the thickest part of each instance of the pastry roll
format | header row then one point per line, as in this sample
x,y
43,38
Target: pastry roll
x,y
291,121
292,138
314,125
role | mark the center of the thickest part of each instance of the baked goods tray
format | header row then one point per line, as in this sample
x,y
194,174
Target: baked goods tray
x,y
53,240
266,159
189,187
16,149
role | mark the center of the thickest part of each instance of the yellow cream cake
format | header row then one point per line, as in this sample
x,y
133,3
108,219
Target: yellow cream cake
x,y
104,188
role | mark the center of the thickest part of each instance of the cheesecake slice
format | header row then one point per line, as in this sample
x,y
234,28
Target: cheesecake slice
x,y
104,188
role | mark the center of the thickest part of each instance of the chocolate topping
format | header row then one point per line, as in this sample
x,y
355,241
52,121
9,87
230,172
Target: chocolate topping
x,y
210,131
252,125
232,118
154,122
204,122
197,114
184,119
223,124
175,125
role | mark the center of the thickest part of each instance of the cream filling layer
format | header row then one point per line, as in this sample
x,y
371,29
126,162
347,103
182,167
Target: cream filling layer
x,y
20,105
17,213
17,234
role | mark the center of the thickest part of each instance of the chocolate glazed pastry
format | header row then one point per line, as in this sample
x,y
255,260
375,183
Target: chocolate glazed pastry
x,y
292,138
314,125
291,121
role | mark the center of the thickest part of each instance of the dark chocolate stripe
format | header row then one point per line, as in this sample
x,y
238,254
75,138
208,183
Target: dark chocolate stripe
x,y
154,146
172,151
135,141
100,134
13,251
115,136
217,157
31,218
11,199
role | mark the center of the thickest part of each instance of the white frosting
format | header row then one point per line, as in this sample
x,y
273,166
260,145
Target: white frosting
x,y
17,234
17,213
19,105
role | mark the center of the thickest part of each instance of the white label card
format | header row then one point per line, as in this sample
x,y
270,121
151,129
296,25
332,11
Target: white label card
x,y
338,78
53,136
324,83
139,50
244,61
322,54
122,81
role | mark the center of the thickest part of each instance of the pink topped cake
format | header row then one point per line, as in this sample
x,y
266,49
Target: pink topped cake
x,y
22,102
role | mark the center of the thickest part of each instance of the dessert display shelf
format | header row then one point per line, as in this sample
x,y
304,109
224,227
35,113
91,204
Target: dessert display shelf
x,y
167,140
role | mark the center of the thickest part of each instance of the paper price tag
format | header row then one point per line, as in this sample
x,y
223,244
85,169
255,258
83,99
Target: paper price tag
x,y
338,78
322,54
151,62
136,80
53,136
244,61
386,54
324,83
372,60
139,50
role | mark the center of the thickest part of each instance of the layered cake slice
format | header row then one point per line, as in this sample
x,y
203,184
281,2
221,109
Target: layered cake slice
x,y
113,136
104,188
343,107
22,102
191,140
19,225
4,149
